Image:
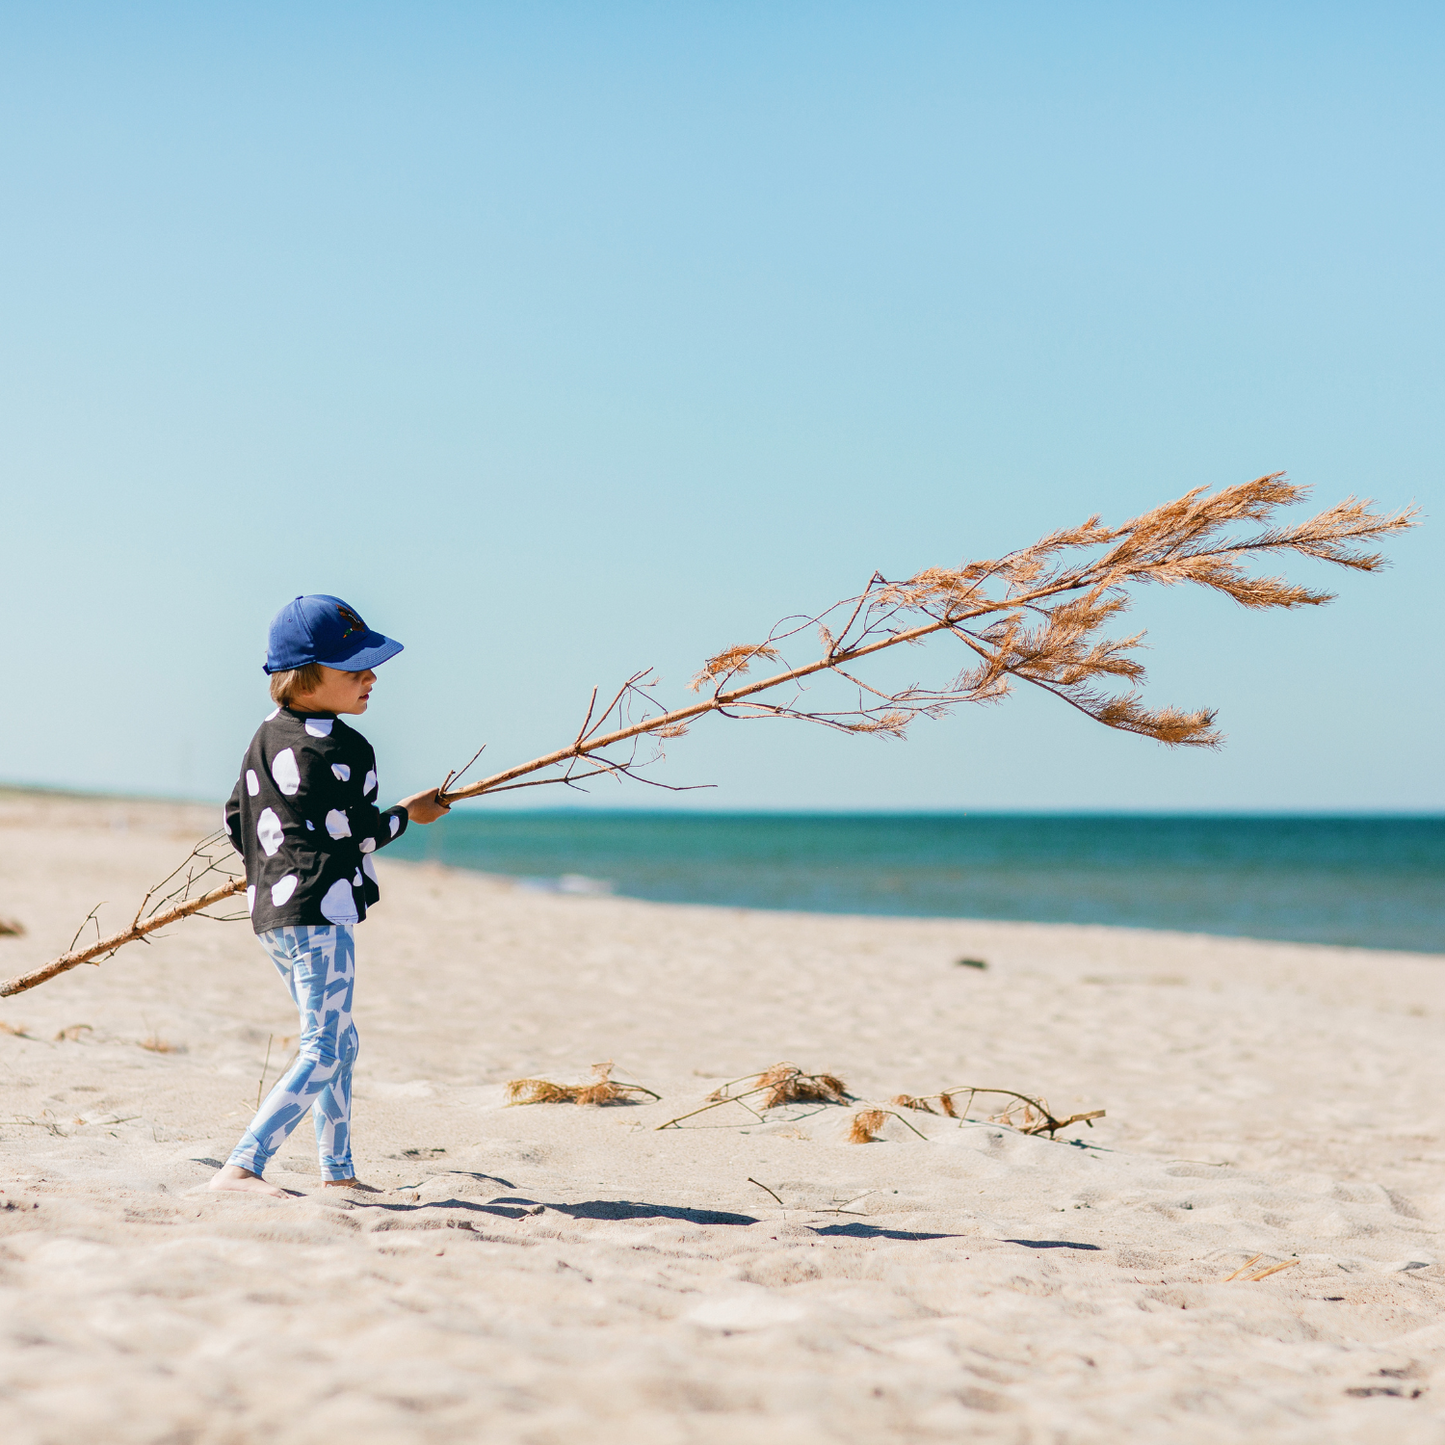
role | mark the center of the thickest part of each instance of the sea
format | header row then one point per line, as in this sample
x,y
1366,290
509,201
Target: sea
x,y
1362,881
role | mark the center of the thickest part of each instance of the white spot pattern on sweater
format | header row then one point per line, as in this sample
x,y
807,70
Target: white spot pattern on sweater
x,y
339,905
286,773
269,832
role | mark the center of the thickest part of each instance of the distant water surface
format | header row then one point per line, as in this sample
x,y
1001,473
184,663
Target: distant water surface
x,y
1374,882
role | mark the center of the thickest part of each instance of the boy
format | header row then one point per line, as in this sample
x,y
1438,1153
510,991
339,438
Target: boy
x,y
305,819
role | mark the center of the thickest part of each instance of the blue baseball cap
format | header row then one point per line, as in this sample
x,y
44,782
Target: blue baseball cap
x,y
324,629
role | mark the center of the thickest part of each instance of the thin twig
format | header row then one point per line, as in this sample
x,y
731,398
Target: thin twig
x,y
1047,1123
766,1190
716,1104
265,1064
88,917
456,777
906,1124
843,1208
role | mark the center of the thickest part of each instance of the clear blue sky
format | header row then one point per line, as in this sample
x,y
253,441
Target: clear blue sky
x,y
566,338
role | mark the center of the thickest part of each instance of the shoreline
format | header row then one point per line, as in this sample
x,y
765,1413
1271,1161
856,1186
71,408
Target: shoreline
x,y
520,882
175,816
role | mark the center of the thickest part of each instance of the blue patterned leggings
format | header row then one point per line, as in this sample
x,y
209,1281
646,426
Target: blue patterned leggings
x,y
319,966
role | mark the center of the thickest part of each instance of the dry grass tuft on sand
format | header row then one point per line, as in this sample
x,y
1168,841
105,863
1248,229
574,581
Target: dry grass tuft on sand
x,y
602,1089
781,1084
788,1084
865,1126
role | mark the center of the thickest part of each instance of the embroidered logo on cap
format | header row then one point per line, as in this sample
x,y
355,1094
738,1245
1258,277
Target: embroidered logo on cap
x,y
352,621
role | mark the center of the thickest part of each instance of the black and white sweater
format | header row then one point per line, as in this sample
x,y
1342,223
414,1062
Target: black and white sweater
x,y
305,819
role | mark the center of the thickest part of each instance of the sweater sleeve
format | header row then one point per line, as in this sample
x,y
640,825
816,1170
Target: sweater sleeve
x,y
374,828
349,788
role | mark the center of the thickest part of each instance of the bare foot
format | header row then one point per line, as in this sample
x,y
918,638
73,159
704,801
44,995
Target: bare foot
x,y
352,1183
233,1177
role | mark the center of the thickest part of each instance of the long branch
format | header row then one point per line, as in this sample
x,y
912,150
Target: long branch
x,y
1174,543
67,961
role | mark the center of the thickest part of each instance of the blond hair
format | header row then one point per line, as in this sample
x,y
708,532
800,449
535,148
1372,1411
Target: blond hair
x,y
295,682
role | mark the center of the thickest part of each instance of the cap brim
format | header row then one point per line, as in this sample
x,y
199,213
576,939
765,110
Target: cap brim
x,y
370,650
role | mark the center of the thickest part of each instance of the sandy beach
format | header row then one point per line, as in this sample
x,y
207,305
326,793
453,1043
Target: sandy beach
x,y
558,1273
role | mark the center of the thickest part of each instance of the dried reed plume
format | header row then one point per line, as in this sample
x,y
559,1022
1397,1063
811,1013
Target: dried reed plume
x,y
781,1084
868,1122
603,1089
788,1084
865,1126
912,1101
1035,616
1024,1113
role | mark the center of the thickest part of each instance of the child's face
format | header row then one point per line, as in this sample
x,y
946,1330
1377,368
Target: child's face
x,y
339,692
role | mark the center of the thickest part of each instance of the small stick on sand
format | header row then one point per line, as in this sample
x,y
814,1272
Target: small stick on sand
x,y
843,1208
766,1190
907,1125
716,1104
1036,1117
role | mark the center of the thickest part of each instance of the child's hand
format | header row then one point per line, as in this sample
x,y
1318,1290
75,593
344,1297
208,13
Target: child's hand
x,y
424,807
